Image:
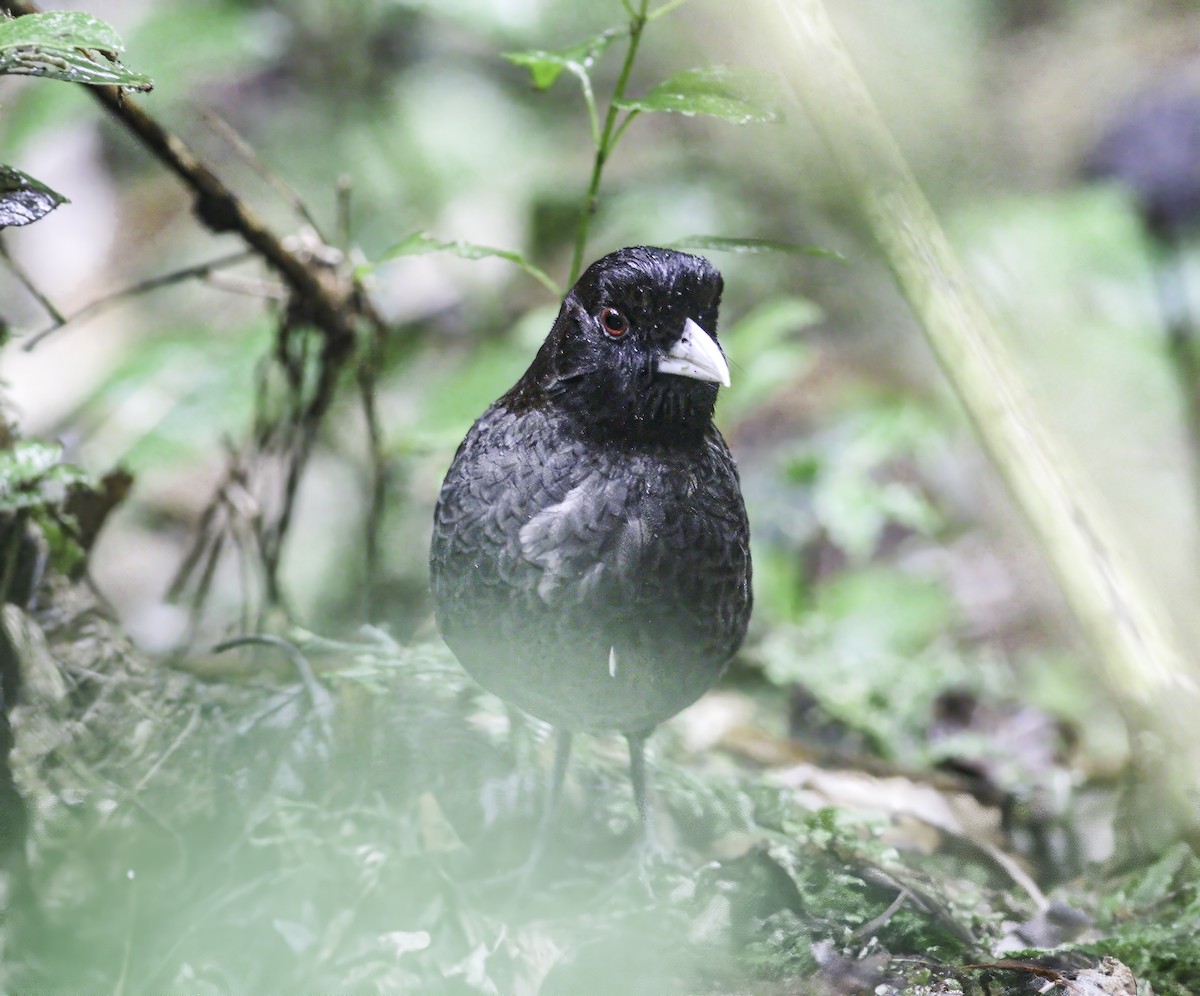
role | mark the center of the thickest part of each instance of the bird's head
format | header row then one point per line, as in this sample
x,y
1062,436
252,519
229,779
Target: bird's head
x,y
634,349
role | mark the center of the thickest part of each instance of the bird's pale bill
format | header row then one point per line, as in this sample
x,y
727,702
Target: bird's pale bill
x,y
696,354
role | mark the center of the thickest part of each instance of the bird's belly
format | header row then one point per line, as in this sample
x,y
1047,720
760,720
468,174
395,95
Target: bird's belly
x,y
605,592
590,677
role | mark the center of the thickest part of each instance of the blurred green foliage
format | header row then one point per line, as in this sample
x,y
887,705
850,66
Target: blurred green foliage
x,y
858,475
35,486
1150,920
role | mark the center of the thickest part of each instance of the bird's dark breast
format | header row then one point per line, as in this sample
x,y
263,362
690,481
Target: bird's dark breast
x,y
599,588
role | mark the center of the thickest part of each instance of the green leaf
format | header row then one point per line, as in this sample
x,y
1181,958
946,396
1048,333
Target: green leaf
x,y
767,355
51,44
32,475
58,29
716,91
719,243
420,244
66,553
24,199
26,463
546,66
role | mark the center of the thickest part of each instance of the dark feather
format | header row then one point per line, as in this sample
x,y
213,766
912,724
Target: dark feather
x,y
590,559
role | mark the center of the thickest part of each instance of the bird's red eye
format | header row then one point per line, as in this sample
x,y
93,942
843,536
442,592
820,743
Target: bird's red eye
x,y
615,324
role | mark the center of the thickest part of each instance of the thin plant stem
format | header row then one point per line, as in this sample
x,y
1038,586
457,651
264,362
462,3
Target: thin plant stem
x,y
141,287
29,285
628,120
1136,648
608,136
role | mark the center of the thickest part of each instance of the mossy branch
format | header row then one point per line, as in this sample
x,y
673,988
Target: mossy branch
x,y
1135,647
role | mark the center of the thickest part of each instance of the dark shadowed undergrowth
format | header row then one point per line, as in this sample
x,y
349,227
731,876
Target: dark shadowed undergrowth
x,y
357,830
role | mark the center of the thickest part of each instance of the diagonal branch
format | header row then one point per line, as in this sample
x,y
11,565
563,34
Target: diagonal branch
x,y
141,287
322,295
331,301
1136,647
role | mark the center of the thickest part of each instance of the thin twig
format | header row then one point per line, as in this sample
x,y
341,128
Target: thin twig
x,y
342,231
324,295
264,290
664,9
187,731
255,162
378,472
871,926
29,285
141,287
318,695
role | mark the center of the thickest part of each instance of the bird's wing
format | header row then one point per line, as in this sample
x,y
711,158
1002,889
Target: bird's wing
x,y
594,537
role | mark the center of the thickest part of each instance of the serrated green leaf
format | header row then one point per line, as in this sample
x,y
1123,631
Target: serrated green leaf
x,y
545,66
715,91
24,199
719,243
51,45
420,244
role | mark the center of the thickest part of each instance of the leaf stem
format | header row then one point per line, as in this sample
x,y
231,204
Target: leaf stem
x,y
628,120
609,135
665,8
589,98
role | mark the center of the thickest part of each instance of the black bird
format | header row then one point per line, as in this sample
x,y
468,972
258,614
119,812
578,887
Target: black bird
x,y
590,561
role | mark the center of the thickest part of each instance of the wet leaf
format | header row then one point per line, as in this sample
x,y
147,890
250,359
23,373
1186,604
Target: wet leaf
x,y
545,66
714,91
24,199
60,28
420,244
51,45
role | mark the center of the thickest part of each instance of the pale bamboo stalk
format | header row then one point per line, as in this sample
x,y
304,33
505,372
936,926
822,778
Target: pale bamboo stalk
x,y
1136,649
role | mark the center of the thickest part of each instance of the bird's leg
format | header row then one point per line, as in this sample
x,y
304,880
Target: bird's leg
x,y
522,874
522,751
562,754
519,789
649,849
637,775
518,734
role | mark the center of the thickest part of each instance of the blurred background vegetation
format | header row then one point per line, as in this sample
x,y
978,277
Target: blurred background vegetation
x,y
903,613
